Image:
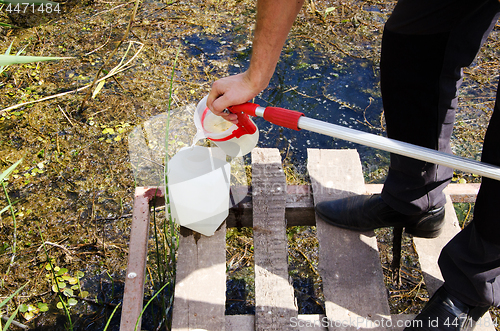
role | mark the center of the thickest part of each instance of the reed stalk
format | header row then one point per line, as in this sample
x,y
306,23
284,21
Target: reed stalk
x,y
3,176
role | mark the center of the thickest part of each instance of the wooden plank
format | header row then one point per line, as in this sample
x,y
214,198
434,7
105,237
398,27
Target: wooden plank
x,y
349,263
200,289
274,298
240,323
462,192
305,322
428,251
299,208
134,282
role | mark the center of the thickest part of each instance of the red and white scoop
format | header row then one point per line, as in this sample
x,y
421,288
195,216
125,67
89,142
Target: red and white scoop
x,y
234,139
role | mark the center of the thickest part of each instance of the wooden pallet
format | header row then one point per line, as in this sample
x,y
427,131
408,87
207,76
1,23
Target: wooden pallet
x,y
349,263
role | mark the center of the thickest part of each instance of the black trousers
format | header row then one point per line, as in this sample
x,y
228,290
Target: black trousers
x,y
425,45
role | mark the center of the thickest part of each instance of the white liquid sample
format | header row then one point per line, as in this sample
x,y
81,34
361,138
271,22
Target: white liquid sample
x,y
215,124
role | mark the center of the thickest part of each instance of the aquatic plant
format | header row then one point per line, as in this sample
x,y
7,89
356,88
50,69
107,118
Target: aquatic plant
x,y
10,207
66,284
3,303
111,316
166,243
62,303
7,59
110,57
7,53
123,67
29,311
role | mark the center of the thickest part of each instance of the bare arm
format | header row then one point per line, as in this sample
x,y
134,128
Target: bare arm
x,y
274,20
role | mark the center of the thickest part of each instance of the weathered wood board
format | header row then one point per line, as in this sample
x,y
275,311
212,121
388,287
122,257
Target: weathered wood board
x,y
200,289
134,283
306,322
353,286
274,298
300,207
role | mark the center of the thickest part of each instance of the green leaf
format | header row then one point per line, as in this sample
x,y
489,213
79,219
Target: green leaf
x,y
6,60
43,306
68,292
72,280
7,25
110,317
72,301
329,10
4,209
23,308
60,305
12,295
11,318
9,170
61,271
7,52
79,274
109,131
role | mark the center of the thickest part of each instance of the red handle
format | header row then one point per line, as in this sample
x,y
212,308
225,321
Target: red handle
x,y
247,108
283,117
245,125
279,116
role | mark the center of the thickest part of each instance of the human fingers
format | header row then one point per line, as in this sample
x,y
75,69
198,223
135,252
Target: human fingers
x,y
230,91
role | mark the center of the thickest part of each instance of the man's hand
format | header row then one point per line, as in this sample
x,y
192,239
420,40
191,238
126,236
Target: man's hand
x,y
230,91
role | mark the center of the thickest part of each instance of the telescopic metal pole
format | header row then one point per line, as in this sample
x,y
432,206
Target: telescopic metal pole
x,y
399,147
296,120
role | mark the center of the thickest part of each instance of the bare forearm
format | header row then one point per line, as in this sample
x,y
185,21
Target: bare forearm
x,y
274,20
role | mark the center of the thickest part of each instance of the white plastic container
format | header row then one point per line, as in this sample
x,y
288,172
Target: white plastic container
x,y
198,188
234,140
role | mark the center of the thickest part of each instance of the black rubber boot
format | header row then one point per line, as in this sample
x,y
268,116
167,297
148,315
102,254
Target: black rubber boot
x,y
369,212
445,312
